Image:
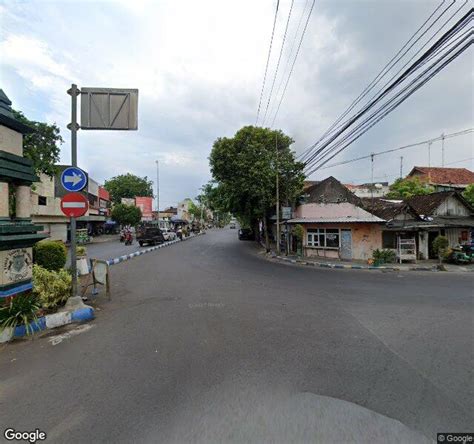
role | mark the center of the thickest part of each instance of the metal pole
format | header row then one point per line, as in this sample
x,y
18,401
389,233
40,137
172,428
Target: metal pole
x,y
401,167
158,190
277,198
73,126
442,150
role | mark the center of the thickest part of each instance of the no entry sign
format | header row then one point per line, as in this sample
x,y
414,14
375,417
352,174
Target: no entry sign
x,y
74,205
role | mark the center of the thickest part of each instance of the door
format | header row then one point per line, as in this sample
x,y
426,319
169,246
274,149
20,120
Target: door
x,y
346,244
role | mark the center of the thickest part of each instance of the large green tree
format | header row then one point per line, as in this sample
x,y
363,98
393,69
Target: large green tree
x,y
128,185
406,188
42,146
126,214
245,168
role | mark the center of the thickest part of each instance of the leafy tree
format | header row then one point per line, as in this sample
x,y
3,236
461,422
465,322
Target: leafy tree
x,y
245,168
468,194
440,245
406,188
128,185
126,214
41,146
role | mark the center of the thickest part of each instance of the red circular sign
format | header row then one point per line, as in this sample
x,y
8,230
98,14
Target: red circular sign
x,y
74,205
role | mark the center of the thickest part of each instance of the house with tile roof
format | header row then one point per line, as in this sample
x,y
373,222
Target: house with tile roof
x,y
443,179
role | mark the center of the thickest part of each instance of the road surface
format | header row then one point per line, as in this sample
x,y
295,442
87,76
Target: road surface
x,y
207,341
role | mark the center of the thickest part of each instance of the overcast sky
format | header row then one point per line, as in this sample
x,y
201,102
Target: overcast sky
x,y
199,69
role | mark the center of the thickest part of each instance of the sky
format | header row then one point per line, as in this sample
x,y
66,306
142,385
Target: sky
x,y
199,68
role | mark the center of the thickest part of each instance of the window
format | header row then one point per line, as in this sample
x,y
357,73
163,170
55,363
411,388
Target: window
x,y
323,237
42,200
389,239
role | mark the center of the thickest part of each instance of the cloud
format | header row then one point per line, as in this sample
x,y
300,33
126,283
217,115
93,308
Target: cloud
x,y
199,68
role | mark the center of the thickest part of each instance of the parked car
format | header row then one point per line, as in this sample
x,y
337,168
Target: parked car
x,y
232,225
168,234
246,234
150,236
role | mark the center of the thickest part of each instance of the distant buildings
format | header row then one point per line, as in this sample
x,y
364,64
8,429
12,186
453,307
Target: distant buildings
x,y
443,179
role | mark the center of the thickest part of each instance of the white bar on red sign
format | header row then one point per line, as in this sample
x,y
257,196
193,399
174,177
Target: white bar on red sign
x,y
74,205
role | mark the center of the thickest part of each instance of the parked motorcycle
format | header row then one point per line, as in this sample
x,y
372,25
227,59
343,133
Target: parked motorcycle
x,y
458,256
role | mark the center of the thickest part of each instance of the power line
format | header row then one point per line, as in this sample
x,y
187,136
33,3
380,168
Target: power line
x,y
459,161
406,91
278,63
294,61
382,73
268,60
404,147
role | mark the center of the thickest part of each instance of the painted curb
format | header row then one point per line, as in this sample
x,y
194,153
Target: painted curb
x,y
127,257
49,321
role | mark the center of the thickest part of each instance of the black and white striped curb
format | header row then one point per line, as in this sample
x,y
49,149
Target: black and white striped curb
x,y
127,257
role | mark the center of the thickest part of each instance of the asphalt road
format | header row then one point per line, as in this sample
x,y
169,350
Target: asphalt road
x,y
207,341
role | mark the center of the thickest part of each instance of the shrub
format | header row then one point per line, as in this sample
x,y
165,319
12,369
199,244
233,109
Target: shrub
x,y
384,256
19,310
440,245
298,231
52,288
50,255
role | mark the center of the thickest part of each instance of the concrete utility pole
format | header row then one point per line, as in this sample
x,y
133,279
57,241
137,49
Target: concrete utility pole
x,y
442,150
277,199
401,167
73,127
429,154
158,190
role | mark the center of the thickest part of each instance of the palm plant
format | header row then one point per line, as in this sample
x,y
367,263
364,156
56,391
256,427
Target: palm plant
x,y
20,310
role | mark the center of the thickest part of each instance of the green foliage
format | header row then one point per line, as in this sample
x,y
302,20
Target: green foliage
x,y
384,256
440,245
406,188
19,310
298,232
50,255
128,185
81,251
126,214
245,166
468,194
43,146
52,288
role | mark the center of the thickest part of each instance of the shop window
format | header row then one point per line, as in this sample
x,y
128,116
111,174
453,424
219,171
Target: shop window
x,y
323,237
42,200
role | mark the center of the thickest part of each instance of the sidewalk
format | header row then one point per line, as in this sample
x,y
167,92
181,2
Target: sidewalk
x,y
427,265
104,238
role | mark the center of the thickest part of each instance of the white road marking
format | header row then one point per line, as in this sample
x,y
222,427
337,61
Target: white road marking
x,y
55,340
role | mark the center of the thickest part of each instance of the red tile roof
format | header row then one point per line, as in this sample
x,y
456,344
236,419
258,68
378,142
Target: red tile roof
x,y
455,176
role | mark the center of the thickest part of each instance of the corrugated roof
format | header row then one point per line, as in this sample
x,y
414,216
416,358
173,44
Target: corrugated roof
x,y
445,176
427,204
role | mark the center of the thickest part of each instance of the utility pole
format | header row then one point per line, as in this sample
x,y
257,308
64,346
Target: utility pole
x,y
372,179
73,127
429,154
158,190
401,167
277,198
442,150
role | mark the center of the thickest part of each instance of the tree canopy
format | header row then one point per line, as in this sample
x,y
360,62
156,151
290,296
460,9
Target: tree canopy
x,y
42,146
244,170
126,214
128,185
406,188
468,194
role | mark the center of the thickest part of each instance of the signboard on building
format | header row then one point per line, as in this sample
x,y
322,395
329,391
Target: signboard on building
x,y
146,206
128,201
109,109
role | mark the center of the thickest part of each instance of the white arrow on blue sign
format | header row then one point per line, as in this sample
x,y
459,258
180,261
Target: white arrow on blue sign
x,y
73,179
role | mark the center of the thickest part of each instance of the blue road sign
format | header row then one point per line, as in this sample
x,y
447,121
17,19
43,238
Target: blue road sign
x,y
73,179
